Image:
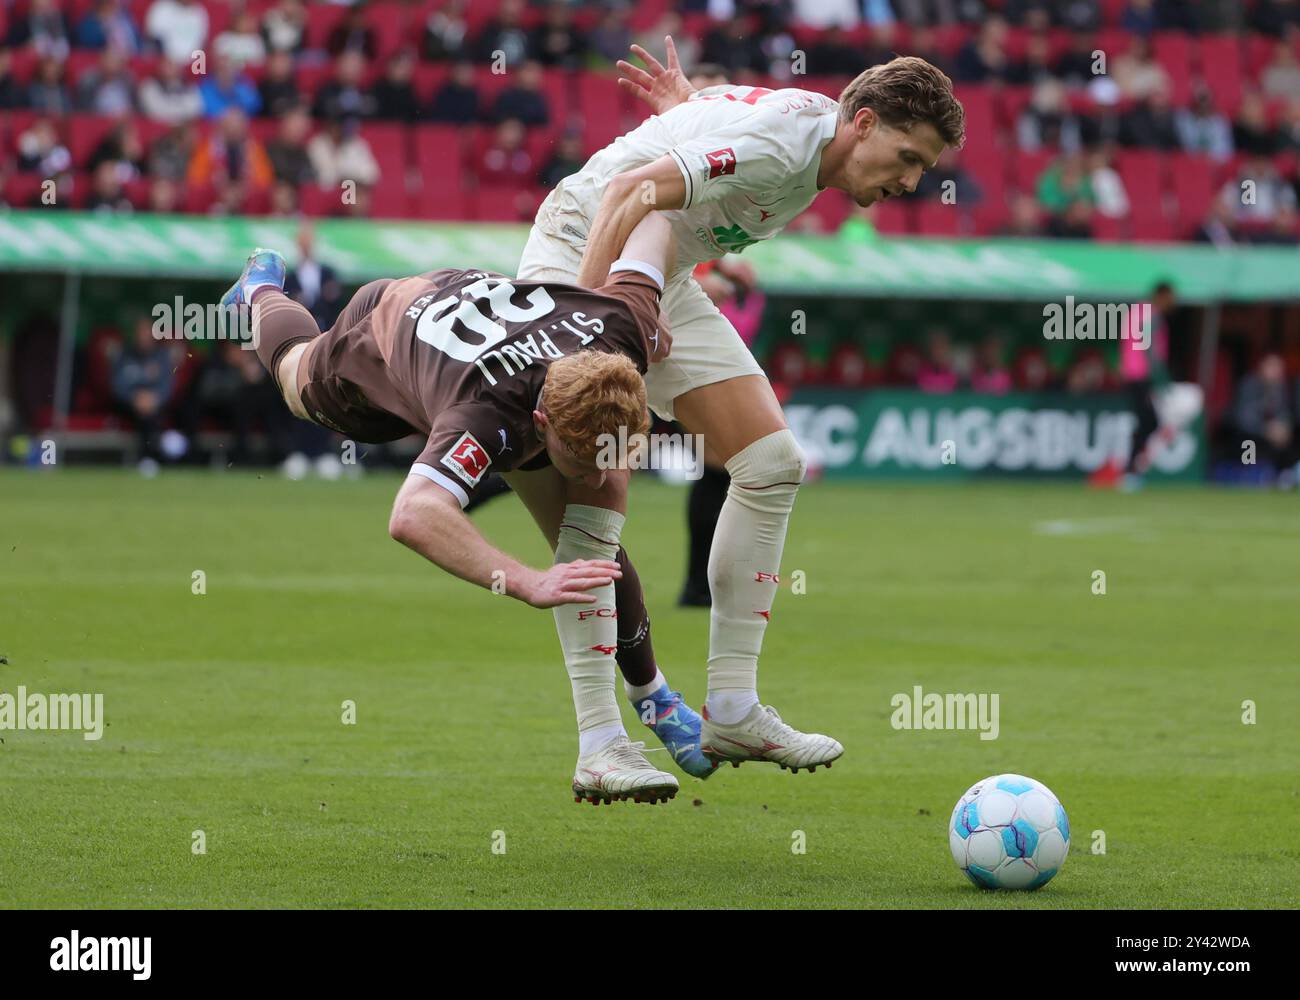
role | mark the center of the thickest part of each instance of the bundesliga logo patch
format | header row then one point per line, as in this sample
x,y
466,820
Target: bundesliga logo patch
x,y
721,161
467,459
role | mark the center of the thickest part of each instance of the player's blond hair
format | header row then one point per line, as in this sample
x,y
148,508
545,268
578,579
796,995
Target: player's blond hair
x,y
904,92
590,394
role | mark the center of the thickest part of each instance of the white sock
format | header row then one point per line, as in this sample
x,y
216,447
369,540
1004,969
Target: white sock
x,y
591,740
588,640
728,707
743,568
635,692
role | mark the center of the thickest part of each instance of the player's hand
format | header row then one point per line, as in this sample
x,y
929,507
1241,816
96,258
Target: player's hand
x,y
662,343
569,583
663,88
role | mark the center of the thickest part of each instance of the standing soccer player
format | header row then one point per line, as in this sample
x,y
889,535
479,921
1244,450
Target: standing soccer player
x,y
729,166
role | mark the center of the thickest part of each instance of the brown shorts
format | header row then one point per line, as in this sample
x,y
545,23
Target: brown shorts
x,y
332,369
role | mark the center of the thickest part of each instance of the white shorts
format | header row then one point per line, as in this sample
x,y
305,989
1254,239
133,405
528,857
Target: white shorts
x,y
706,347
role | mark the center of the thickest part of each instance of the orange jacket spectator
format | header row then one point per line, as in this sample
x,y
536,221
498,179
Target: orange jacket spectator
x,y
230,154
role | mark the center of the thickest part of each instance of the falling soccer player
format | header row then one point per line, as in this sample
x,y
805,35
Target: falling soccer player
x,y
518,377
728,166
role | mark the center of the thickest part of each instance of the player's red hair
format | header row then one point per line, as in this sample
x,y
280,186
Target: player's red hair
x,y
590,394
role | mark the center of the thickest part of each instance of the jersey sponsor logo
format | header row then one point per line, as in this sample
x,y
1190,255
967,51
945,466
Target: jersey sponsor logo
x,y
721,162
467,459
732,239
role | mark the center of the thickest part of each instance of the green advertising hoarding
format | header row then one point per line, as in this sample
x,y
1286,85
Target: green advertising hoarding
x,y
362,249
906,434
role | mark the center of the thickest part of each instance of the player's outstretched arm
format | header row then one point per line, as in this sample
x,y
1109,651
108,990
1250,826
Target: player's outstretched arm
x,y
629,197
651,243
661,87
428,519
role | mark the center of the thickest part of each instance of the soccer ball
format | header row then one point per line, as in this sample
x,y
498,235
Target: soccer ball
x,y
1009,832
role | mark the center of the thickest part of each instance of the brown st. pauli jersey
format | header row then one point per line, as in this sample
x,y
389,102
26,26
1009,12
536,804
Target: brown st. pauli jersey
x,y
461,356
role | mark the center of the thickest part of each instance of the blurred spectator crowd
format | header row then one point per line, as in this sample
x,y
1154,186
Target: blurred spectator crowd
x,y
1110,119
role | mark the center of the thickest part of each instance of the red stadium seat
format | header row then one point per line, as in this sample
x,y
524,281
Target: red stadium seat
x,y
199,198
603,110
988,218
83,133
981,115
1106,230
441,166
561,99
393,30
19,122
1151,229
1259,53
311,77
1143,174
390,201
263,129
949,38
22,190
319,202
325,17
1112,11
507,203
1009,104
893,218
1173,50
988,168
1194,189
389,143
1220,66
80,61
934,218
1114,42
1028,167
137,192
429,78
830,209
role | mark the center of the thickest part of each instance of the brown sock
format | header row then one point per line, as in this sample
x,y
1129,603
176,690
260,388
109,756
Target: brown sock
x,y
635,654
280,323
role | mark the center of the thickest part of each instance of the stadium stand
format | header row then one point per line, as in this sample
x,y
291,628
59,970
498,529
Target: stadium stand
x,y
432,170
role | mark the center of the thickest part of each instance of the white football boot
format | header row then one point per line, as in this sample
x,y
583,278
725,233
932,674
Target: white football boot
x,y
762,736
619,770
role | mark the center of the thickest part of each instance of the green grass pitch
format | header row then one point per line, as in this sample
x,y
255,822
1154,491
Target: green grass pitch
x,y
224,709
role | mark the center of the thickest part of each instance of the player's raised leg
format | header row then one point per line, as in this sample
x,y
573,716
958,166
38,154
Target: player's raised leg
x,y
743,423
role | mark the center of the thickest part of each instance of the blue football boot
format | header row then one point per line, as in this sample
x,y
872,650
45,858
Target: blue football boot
x,y
264,267
678,727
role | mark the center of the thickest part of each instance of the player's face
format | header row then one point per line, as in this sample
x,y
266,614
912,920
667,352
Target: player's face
x,y
568,464
887,162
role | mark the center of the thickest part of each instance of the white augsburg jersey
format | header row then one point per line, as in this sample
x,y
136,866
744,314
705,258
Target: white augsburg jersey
x,y
749,157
